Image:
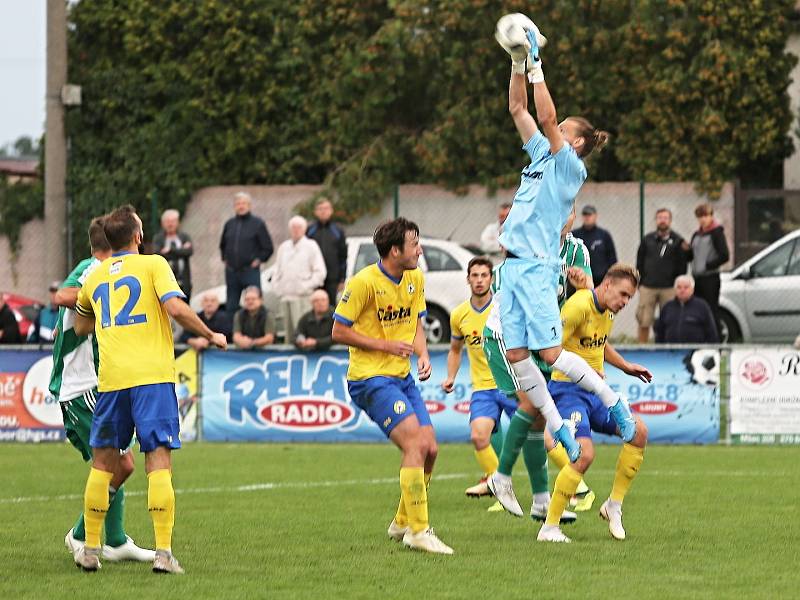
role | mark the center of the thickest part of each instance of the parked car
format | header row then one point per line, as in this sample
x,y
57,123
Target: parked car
x,y
24,309
760,299
443,262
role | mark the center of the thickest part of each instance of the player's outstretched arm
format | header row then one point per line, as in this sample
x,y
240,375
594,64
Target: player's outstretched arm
x,y
186,318
518,107
545,108
67,296
615,359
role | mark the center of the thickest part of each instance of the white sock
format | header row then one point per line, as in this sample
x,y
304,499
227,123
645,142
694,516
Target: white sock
x,y
541,498
614,504
579,371
532,382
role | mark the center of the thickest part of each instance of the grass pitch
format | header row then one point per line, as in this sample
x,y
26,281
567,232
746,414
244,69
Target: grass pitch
x,y
309,521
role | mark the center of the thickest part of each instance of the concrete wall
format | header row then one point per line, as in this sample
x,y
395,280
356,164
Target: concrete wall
x,y
791,166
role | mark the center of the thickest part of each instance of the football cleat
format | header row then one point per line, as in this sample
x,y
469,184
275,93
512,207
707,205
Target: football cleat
x,y
128,551
71,543
479,489
624,420
87,559
165,562
503,490
567,439
426,541
552,533
539,513
612,512
583,501
396,532
496,507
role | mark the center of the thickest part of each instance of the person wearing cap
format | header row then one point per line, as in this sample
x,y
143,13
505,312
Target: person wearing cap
x,y
602,253
44,327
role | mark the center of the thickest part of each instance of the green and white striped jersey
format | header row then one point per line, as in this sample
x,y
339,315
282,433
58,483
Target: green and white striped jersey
x,y
75,358
573,254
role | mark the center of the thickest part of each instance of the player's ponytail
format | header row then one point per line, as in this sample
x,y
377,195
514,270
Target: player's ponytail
x,y
594,139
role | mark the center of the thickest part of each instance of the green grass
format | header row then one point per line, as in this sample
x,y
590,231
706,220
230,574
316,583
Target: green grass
x,y
701,521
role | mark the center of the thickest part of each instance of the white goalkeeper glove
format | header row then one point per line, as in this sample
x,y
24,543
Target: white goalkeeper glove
x,y
534,63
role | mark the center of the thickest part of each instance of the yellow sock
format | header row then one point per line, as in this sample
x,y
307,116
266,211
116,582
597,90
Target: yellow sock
x,y
161,505
401,517
566,484
415,496
560,459
628,463
487,460
95,505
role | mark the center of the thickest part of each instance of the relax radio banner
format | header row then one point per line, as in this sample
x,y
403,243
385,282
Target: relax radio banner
x,y
288,396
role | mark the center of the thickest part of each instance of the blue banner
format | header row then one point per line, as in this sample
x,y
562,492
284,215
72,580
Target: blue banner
x,y
289,396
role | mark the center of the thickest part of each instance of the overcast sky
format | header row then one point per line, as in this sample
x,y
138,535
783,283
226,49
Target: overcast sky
x,y
22,68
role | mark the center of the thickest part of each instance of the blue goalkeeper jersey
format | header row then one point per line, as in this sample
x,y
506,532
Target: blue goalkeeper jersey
x,y
546,193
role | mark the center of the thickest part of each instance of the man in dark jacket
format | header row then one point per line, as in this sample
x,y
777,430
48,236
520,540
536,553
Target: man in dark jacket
x,y
331,240
245,244
602,253
9,328
660,259
176,247
314,328
686,319
708,252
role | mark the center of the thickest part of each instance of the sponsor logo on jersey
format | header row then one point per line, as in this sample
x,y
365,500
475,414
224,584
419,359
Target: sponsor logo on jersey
x,y
593,342
399,407
389,314
115,268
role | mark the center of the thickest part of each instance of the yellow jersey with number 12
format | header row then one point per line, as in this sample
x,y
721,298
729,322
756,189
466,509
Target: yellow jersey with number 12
x,y
467,323
377,305
585,330
125,295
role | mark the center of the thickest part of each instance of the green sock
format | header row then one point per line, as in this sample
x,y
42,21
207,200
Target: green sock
x,y
497,440
115,531
515,438
78,531
536,461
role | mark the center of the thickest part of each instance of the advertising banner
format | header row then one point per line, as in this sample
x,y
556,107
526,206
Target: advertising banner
x,y
765,395
28,413
293,396
186,391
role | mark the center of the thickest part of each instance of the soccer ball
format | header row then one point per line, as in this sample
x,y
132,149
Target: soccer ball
x,y
703,366
511,33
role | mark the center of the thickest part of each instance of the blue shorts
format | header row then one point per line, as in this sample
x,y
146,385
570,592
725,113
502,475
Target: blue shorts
x,y
389,400
491,404
583,408
152,409
529,304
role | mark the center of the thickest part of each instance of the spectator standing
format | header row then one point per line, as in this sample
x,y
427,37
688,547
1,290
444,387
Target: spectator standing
x,y
686,319
660,259
299,270
214,318
489,237
176,247
9,328
602,253
332,243
708,252
253,325
44,327
315,327
245,245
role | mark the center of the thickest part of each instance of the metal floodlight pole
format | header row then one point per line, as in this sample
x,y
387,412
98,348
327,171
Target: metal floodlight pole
x,y
55,154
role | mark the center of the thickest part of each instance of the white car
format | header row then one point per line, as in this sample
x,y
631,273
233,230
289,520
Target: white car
x,y
443,262
760,299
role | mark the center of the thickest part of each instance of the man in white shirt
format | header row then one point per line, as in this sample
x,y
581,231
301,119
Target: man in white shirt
x,y
299,270
491,232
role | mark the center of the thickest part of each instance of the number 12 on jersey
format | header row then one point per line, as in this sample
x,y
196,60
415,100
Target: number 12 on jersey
x,y
123,317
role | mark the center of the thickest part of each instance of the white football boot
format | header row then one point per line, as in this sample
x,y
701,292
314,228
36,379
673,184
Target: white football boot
x,y
87,558
552,533
539,513
396,532
503,490
71,543
426,541
165,562
128,551
612,512
479,489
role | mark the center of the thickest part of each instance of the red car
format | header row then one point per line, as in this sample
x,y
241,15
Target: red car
x,y
24,309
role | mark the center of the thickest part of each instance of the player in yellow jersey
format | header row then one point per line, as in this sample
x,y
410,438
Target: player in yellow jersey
x,y
380,318
487,403
127,301
587,318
